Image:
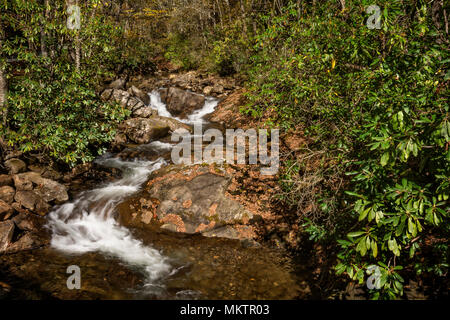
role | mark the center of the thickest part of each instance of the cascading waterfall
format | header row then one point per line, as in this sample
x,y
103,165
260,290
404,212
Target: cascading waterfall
x,y
195,118
88,224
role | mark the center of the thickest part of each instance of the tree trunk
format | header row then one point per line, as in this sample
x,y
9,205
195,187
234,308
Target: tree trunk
x,y
44,51
77,42
3,96
3,87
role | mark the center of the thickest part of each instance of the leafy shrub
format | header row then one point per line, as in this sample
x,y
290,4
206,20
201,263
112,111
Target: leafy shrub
x,y
375,102
52,104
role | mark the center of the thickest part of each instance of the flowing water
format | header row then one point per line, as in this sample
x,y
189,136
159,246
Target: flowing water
x,y
122,263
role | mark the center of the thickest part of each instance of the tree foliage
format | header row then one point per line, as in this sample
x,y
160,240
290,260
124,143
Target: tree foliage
x,y
53,72
376,102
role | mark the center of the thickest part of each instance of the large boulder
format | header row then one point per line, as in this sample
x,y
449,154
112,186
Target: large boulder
x,y
142,130
173,124
181,102
189,200
15,166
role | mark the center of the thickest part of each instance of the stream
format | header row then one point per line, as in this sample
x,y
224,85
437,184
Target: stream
x,y
125,263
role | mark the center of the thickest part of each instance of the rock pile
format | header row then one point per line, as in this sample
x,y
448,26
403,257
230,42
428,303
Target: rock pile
x,y
25,197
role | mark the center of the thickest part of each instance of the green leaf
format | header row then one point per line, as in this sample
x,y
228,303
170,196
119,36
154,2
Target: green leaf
x,y
355,234
384,159
374,248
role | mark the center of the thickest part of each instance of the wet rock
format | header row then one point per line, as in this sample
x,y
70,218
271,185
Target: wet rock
x,y
7,194
143,96
15,166
180,102
46,189
6,234
5,180
142,130
249,243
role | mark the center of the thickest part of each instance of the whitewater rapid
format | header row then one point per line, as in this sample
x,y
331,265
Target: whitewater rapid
x,y
195,118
